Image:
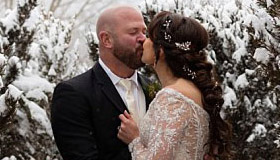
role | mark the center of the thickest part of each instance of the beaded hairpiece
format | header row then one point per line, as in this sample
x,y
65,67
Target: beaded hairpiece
x,y
184,45
189,72
216,85
166,26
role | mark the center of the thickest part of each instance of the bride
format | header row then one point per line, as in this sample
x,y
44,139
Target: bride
x,y
183,121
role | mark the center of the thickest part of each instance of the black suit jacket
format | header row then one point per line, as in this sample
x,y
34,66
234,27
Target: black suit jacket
x,y
84,117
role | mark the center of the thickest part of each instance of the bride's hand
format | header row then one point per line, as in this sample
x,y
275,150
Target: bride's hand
x,y
128,129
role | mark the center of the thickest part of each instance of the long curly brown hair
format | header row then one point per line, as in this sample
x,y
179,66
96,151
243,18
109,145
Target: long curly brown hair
x,y
166,31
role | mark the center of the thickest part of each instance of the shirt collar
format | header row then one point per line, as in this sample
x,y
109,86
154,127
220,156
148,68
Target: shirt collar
x,y
114,78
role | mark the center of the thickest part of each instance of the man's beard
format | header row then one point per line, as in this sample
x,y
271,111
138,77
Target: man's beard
x,y
129,57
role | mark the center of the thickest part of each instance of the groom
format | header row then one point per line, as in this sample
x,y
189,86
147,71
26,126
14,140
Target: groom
x,y
85,109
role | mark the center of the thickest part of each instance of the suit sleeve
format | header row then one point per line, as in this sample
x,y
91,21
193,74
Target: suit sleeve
x,y
71,124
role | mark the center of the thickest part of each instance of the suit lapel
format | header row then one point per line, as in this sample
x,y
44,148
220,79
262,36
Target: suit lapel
x,y
108,88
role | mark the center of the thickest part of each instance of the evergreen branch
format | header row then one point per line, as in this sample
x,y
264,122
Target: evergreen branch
x,y
6,120
92,47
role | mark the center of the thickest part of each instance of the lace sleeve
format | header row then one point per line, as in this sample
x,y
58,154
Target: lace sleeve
x,y
168,116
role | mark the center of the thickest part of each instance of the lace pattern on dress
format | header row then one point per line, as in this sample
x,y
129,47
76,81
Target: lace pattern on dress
x,y
174,128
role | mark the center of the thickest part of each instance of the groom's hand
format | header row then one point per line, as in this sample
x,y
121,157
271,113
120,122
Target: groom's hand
x,y
128,129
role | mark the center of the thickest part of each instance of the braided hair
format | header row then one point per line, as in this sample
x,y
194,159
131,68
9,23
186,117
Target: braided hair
x,y
183,40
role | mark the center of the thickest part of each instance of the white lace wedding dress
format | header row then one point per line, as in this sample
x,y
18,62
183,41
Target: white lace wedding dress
x,y
174,128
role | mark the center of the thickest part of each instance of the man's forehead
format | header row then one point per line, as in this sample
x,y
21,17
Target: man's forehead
x,y
130,20
136,26
129,14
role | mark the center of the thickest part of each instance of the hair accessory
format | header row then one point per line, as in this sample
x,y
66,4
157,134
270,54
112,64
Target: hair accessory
x,y
167,22
167,36
184,45
166,26
217,105
189,72
216,84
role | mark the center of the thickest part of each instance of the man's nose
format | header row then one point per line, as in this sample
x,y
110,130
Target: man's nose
x,y
141,38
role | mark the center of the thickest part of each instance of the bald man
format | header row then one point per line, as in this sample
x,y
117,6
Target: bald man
x,y
85,109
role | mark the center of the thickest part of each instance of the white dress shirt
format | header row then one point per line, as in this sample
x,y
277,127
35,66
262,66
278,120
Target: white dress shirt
x,y
136,87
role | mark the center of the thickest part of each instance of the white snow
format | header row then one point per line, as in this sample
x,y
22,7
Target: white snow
x,y
36,94
3,60
230,77
229,98
241,82
32,21
269,3
30,147
277,142
32,82
10,20
1,83
34,50
251,138
24,125
13,92
248,103
10,158
278,61
268,103
259,130
257,103
249,71
40,115
22,2
14,61
52,71
3,106
262,55
237,55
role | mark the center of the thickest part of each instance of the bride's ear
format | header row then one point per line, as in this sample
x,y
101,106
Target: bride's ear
x,y
161,53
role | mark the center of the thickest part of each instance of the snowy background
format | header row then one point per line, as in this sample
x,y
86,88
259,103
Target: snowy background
x,y
46,41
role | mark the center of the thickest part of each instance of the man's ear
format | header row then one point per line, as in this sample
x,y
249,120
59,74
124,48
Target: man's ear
x,y
106,39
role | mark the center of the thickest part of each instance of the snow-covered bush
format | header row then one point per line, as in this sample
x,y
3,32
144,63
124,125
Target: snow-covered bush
x,y
50,48
33,58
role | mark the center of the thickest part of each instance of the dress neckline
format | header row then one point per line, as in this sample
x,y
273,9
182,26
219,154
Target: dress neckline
x,y
186,98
